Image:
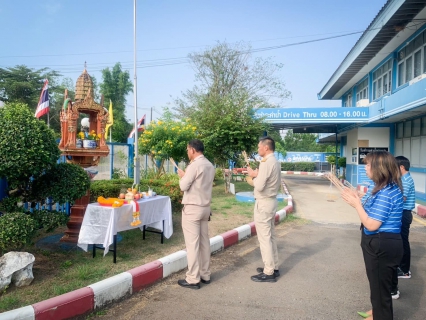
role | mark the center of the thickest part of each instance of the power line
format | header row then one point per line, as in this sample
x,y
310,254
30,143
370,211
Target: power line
x,y
159,49
184,60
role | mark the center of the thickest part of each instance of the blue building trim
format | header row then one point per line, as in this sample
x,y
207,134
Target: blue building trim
x,y
392,138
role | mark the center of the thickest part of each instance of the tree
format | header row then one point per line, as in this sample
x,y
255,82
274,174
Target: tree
x,y
63,182
23,85
115,86
166,138
224,69
229,87
227,128
304,142
27,146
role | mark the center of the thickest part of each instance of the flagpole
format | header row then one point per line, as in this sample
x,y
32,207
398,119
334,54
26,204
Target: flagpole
x,y
136,174
48,119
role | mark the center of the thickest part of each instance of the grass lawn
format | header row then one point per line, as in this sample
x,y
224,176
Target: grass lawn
x,y
57,271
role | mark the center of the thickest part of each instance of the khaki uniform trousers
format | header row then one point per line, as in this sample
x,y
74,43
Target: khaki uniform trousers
x,y
196,232
264,219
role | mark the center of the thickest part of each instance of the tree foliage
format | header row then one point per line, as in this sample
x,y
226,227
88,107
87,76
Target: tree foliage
x,y
64,182
227,128
23,85
115,87
230,85
27,145
305,142
167,138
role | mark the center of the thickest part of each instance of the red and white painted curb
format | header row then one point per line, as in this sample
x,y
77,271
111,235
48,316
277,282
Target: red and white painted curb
x,y
102,293
303,173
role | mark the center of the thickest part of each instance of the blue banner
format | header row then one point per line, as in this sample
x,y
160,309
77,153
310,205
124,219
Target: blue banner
x,y
314,115
362,176
305,157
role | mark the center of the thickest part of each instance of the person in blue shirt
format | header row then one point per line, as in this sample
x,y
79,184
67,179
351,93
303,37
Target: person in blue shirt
x,y
409,197
381,242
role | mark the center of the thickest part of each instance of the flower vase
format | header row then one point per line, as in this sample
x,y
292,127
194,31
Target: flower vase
x,y
89,144
79,143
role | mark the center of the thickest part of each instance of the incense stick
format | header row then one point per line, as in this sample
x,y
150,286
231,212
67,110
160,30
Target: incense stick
x,y
336,181
173,163
246,159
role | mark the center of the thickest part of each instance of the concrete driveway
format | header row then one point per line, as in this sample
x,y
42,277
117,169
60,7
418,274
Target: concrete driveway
x,y
322,272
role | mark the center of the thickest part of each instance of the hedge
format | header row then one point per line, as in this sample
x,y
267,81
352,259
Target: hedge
x,y
298,166
112,188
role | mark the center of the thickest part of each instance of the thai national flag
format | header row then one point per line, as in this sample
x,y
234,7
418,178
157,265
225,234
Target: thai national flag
x,y
141,123
43,103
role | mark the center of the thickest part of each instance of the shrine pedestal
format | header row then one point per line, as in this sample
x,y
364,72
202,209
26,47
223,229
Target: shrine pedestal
x,y
76,219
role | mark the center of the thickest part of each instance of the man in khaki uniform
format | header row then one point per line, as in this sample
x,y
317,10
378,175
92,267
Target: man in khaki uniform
x,y
267,183
196,183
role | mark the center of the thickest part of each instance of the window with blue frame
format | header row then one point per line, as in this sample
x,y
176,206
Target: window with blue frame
x,y
348,101
411,141
362,90
411,60
382,80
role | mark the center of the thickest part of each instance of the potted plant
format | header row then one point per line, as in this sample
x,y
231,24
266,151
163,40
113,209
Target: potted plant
x,y
89,141
79,140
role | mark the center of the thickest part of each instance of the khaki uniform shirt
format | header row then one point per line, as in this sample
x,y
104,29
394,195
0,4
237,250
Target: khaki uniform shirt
x,y
197,183
268,180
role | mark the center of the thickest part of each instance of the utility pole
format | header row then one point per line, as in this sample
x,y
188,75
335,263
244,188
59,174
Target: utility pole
x,y
136,172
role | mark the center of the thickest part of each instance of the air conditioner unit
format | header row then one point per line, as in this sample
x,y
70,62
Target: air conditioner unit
x,y
363,103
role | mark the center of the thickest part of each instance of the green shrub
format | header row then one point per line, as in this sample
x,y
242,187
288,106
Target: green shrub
x,y
342,162
118,174
64,182
49,220
16,230
331,159
304,166
10,204
166,188
108,188
298,166
27,146
218,174
162,186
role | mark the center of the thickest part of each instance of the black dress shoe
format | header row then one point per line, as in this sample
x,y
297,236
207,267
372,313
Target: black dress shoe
x,y
205,281
261,277
185,284
276,272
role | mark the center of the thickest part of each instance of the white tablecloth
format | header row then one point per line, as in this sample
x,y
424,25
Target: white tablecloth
x,y
101,223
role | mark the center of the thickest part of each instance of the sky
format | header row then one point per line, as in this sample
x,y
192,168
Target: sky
x,y
63,35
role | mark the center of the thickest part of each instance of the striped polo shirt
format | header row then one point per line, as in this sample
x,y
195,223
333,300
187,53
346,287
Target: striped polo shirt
x,y
408,191
385,206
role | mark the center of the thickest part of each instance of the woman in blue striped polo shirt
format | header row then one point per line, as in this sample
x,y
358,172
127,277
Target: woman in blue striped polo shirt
x,y
380,216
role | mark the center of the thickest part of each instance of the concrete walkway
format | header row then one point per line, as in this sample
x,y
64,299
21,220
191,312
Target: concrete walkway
x,y
322,272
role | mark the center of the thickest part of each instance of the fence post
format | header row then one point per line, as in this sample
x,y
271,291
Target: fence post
x,y
111,161
3,188
130,166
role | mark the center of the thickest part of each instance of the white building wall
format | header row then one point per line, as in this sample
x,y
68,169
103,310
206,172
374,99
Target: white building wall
x,y
351,142
377,137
